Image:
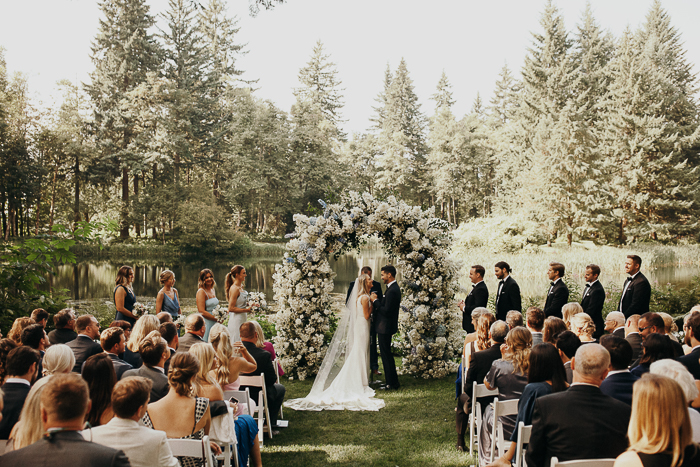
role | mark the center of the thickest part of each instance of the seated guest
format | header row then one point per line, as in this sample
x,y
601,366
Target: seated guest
x,y
40,316
22,364
476,314
143,446
164,317
6,345
179,413
17,327
99,374
546,376
154,353
64,404
652,323
669,326
194,332
112,340
84,346
659,430
568,343
266,345
275,391
615,324
633,337
509,376
568,311
678,373
58,359
481,342
534,318
124,325
581,422
34,336
232,360
618,384
64,322
692,339
479,366
654,347
514,319
145,325
553,326
28,429
583,326
168,331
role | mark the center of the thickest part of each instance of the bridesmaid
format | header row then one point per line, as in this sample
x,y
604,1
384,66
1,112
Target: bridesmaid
x,y
206,300
168,298
124,297
237,299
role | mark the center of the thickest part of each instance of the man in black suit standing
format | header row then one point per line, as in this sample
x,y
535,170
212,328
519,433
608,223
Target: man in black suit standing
x,y
558,294
636,293
114,343
593,298
508,293
478,297
618,384
376,287
64,403
386,318
581,422
21,367
84,346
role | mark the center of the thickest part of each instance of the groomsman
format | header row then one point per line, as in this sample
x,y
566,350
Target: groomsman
x,y
593,299
377,288
508,294
636,293
478,297
558,294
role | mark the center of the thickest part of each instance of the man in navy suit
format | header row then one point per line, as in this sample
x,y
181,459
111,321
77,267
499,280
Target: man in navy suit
x,y
21,367
478,297
114,343
692,339
386,318
558,293
593,299
508,293
636,293
618,384
376,287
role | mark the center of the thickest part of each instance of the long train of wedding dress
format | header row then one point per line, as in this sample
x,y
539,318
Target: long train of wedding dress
x,y
342,380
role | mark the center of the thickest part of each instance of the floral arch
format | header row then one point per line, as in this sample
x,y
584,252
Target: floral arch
x,y
430,333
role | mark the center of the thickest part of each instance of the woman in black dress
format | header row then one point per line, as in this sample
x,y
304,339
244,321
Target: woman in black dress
x,y
124,297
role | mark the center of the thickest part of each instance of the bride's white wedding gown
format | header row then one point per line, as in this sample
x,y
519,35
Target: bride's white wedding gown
x,y
346,388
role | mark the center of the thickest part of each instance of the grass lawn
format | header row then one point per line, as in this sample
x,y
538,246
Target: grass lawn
x,y
416,428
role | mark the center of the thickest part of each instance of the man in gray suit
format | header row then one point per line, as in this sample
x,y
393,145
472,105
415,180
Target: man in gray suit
x,y
194,332
534,318
154,353
84,346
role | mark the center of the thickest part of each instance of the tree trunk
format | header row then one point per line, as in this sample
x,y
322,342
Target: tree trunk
x,y
137,227
454,211
76,195
53,196
124,228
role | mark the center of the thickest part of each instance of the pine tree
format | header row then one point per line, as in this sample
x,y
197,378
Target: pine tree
x,y
381,100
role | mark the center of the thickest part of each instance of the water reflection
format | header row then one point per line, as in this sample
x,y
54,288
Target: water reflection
x,y
95,279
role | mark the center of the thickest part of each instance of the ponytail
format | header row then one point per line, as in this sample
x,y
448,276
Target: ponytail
x,y
236,270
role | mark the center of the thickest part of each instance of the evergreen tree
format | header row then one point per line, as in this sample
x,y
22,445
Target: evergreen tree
x,y
381,100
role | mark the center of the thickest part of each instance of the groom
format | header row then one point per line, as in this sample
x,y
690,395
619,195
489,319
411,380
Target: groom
x,y
386,318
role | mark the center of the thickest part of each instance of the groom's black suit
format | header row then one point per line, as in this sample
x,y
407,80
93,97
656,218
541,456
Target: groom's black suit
x,y
386,320
373,357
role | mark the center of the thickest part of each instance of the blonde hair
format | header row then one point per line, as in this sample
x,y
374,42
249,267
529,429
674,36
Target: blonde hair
x,y
483,327
204,352
17,328
260,341
570,310
363,285
29,428
236,270
165,276
59,358
143,327
660,420
582,325
519,342
221,342
669,323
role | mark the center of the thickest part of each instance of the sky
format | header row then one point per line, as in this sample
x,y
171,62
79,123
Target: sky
x,y
471,41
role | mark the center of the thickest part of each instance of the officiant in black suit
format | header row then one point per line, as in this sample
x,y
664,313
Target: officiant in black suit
x,y
593,299
508,293
558,294
636,293
376,287
478,297
386,318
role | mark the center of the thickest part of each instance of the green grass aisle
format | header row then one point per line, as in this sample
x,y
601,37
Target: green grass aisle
x,y
416,428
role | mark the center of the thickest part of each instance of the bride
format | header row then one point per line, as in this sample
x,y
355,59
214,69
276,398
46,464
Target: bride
x,y
342,380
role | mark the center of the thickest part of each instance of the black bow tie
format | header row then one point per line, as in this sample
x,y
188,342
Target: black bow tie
x,y
629,279
588,285
502,281
551,283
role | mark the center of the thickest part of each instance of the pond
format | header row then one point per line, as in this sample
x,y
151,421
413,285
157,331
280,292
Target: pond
x,y
95,278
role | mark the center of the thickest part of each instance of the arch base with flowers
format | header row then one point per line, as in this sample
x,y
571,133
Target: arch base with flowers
x,y
429,325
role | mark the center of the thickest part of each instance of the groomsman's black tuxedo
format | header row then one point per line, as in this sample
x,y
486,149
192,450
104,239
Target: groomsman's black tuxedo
x,y
373,357
507,298
557,297
478,297
635,300
592,304
386,320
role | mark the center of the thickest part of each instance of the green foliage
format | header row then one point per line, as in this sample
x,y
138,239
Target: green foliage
x,y
676,301
201,223
498,234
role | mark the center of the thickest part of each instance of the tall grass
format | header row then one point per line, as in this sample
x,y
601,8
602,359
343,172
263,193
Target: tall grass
x,y
151,250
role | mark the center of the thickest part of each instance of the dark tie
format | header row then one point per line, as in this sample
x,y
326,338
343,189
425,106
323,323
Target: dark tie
x,y
552,284
629,279
588,285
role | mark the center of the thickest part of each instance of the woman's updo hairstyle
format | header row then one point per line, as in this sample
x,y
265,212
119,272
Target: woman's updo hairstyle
x,y
236,270
183,368
165,276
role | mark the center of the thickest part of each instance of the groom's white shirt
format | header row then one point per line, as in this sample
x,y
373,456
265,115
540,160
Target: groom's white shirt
x,y
387,288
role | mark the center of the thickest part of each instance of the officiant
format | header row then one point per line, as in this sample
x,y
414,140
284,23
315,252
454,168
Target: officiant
x,y
376,287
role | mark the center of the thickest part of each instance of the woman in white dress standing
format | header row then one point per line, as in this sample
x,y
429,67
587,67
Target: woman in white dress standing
x,y
237,300
342,380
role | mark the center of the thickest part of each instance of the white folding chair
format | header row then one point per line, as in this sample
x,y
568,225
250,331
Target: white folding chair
x,y
275,363
229,451
500,409
583,463
478,390
262,409
523,439
198,448
243,397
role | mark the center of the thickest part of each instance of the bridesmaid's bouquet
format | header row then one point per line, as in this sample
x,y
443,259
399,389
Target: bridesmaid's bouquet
x,y
220,313
140,309
256,301
180,321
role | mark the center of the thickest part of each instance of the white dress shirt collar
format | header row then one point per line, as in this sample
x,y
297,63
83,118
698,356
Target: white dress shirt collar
x,y
17,380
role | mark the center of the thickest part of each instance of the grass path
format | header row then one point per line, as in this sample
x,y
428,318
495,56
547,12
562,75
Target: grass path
x,y
416,428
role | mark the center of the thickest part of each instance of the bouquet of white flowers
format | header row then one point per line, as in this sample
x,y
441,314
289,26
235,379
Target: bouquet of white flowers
x,y
256,301
140,309
220,313
180,321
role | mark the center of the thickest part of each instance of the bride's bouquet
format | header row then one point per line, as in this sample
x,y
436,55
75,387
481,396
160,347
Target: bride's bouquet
x,y
220,313
140,309
256,301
